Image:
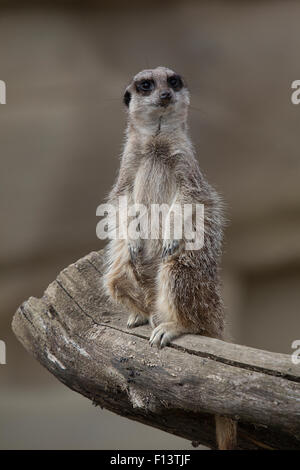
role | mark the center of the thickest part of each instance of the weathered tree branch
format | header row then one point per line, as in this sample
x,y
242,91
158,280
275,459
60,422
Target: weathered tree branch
x,y
81,338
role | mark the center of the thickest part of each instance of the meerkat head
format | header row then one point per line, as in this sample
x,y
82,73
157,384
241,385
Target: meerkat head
x,y
157,96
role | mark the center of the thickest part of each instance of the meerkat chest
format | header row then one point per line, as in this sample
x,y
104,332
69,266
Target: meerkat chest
x,y
154,183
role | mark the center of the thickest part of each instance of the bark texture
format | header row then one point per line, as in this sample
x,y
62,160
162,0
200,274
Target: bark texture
x,y
81,338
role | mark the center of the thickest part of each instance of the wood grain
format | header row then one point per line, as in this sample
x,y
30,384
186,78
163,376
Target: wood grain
x,y
81,338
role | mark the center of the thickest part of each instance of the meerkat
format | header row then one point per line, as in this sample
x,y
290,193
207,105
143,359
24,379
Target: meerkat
x,y
160,281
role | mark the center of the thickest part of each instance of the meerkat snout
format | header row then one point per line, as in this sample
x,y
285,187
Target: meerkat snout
x,y
165,97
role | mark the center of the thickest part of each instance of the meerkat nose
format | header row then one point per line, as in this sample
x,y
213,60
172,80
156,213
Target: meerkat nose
x,y
165,95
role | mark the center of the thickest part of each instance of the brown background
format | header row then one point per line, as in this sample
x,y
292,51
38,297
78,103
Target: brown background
x,y
61,132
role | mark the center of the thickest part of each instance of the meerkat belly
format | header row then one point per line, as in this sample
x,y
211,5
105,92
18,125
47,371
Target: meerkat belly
x,y
154,185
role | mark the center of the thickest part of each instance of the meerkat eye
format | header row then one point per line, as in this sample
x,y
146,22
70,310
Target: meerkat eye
x,y
145,85
175,82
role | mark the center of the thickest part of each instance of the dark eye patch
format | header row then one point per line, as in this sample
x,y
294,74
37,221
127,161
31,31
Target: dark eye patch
x,y
145,86
127,98
175,82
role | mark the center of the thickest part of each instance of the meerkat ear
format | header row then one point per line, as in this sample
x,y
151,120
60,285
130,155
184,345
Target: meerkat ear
x,y
127,98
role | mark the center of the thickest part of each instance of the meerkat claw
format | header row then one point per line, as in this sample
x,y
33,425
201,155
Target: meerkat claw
x,y
135,319
155,337
162,336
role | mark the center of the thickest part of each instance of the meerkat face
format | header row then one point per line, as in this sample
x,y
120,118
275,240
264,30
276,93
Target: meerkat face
x,y
155,95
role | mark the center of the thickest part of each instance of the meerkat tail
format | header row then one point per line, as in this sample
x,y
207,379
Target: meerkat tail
x,y
226,433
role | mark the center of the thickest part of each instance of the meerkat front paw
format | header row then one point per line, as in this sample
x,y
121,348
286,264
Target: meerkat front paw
x,y
163,334
136,319
171,248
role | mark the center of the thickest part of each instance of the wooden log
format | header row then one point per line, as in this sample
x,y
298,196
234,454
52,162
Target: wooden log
x,y
80,336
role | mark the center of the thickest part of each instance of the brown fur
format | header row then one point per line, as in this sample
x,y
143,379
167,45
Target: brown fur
x,y
178,293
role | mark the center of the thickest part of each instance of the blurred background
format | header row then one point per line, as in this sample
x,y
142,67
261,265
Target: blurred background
x,y
65,66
